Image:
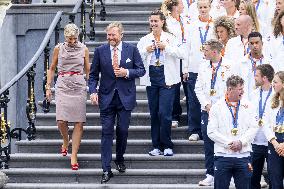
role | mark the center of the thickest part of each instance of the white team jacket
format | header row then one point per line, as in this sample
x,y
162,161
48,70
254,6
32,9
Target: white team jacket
x,y
203,83
173,52
244,69
220,125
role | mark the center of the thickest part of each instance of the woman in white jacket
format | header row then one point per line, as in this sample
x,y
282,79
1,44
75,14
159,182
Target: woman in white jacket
x,y
160,52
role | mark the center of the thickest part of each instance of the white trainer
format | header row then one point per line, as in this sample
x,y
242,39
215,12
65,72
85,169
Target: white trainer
x,y
208,181
193,137
155,152
168,152
263,184
174,124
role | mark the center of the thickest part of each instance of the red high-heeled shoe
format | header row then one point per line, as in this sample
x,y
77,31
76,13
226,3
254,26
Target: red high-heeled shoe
x,y
64,151
75,166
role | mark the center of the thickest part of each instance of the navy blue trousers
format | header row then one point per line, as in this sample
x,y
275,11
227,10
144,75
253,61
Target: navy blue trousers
x,y
208,145
160,100
194,107
108,116
258,155
227,167
275,165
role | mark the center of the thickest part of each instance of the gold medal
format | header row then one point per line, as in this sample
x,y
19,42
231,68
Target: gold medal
x,y
234,131
212,92
201,48
158,63
260,122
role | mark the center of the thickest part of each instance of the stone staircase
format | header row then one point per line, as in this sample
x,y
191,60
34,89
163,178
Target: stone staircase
x,y
38,164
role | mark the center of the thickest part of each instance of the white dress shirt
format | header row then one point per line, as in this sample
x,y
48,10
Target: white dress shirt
x,y
203,83
119,50
220,126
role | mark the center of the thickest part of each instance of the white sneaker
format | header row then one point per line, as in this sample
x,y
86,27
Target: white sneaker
x,y
174,124
168,152
184,99
155,152
193,137
263,184
208,181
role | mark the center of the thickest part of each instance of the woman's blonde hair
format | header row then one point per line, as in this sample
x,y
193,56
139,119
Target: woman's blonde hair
x,y
279,96
250,9
167,6
71,30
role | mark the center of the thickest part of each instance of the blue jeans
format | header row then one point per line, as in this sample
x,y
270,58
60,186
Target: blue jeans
x,y
227,167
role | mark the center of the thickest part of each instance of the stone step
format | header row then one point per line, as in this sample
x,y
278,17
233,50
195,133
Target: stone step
x,y
142,106
133,25
124,6
103,186
91,132
127,35
94,119
93,146
93,44
132,161
126,15
131,176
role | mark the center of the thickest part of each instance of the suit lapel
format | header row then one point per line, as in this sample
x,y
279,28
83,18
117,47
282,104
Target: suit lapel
x,y
107,55
124,53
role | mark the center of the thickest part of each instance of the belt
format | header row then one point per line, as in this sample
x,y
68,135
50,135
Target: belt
x,y
70,73
278,129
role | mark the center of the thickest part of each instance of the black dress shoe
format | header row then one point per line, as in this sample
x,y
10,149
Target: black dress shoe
x,y
106,176
120,167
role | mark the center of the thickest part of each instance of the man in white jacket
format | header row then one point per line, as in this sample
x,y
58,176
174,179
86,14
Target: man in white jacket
x,y
262,100
232,128
210,87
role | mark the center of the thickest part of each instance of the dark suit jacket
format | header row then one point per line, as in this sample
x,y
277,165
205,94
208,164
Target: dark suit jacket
x,y
102,63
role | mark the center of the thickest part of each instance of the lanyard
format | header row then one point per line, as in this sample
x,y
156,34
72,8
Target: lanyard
x,y
246,50
189,2
234,115
215,73
257,5
157,51
182,29
280,116
253,63
261,109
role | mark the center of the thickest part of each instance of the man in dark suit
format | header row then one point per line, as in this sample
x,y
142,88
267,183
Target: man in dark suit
x,y
119,64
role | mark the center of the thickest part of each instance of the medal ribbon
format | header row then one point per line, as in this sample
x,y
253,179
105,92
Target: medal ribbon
x,y
189,2
280,116
214,73
234,114
246,50
253,63
157,51
257,5
203,38
182,29
261,109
